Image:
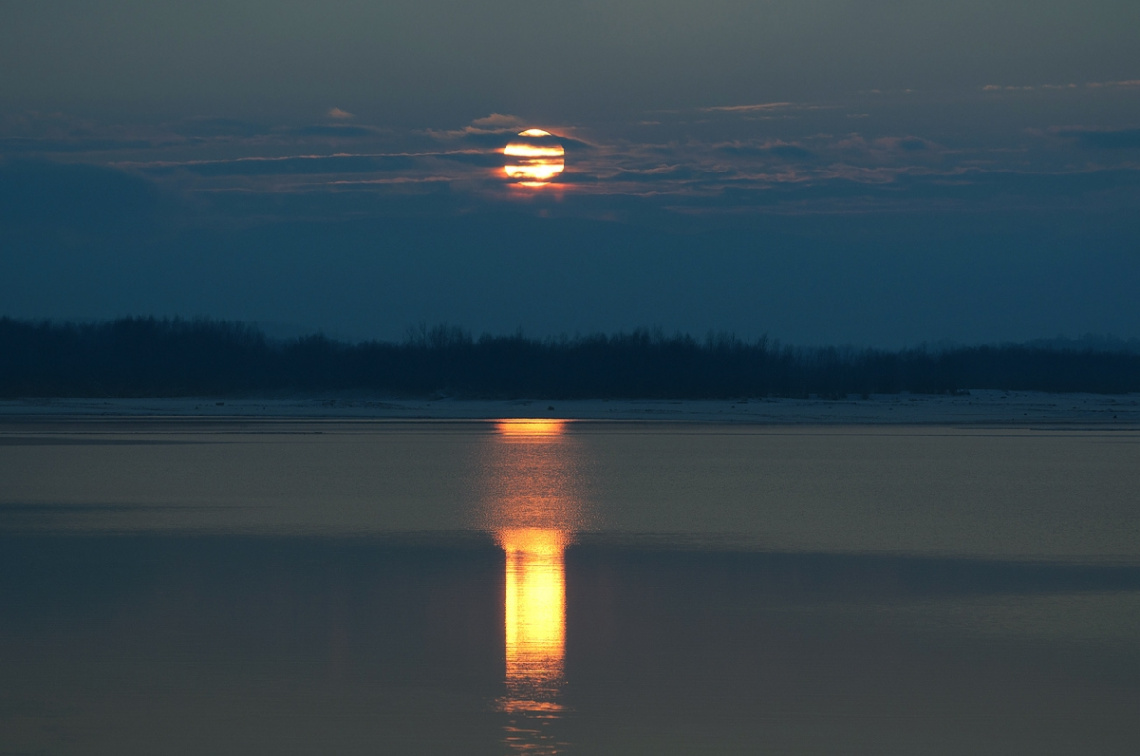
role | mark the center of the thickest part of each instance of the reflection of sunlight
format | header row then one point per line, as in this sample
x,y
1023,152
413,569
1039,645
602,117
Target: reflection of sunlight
x,y
530,427
532,510
535,617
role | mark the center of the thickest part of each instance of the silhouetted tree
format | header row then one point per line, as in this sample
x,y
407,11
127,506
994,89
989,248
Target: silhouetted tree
x,y
149,357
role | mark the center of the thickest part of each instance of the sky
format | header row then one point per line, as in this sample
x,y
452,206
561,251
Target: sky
x,y
866,172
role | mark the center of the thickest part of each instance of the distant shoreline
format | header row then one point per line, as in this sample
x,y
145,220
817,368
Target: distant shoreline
x,y
989,407
145,357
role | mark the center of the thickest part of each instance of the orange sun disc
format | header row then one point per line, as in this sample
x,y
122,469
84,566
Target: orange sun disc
x,y
534,158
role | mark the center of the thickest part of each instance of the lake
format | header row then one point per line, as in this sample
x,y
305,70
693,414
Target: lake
x,y
249,586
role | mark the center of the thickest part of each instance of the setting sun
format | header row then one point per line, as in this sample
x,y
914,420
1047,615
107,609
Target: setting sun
x,y
534,158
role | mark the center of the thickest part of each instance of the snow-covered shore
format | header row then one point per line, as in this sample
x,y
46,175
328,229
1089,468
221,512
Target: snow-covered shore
x,y
977,408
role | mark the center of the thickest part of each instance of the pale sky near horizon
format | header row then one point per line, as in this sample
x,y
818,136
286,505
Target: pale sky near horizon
x,y
825,171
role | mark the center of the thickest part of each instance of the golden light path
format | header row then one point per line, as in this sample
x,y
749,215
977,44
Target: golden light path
x,y
535,428
535,617
533,514
534,158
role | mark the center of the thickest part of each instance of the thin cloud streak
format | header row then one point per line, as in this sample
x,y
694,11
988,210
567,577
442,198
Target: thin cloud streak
x,y
1123,84
763,106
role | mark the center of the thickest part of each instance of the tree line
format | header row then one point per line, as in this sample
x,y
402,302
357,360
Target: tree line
x,y
137,357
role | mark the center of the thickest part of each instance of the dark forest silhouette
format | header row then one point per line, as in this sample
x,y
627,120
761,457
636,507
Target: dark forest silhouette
x,y
134,357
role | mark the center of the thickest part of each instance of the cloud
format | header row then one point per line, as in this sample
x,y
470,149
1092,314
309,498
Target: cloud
x,y
340,115
491,131
814,161
335,130
473,157
474,137
906,143
887,148
666,173
494,131
234,129
1107,84
1101,139
27,145
1001,88
289,165
756,108
498,121
1128,83
777,148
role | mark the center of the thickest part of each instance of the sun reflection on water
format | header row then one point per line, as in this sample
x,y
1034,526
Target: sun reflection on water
x,y
533,509
530,428
535,618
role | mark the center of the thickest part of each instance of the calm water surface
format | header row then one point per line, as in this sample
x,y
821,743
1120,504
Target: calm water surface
x,y
280,587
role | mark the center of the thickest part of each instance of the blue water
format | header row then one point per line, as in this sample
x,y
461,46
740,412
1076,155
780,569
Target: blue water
x,y
306,587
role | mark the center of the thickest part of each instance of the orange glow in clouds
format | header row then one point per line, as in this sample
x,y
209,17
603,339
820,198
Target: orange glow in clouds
x,y
534,158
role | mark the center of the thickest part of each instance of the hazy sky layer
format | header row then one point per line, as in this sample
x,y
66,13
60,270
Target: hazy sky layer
x,y
822,171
